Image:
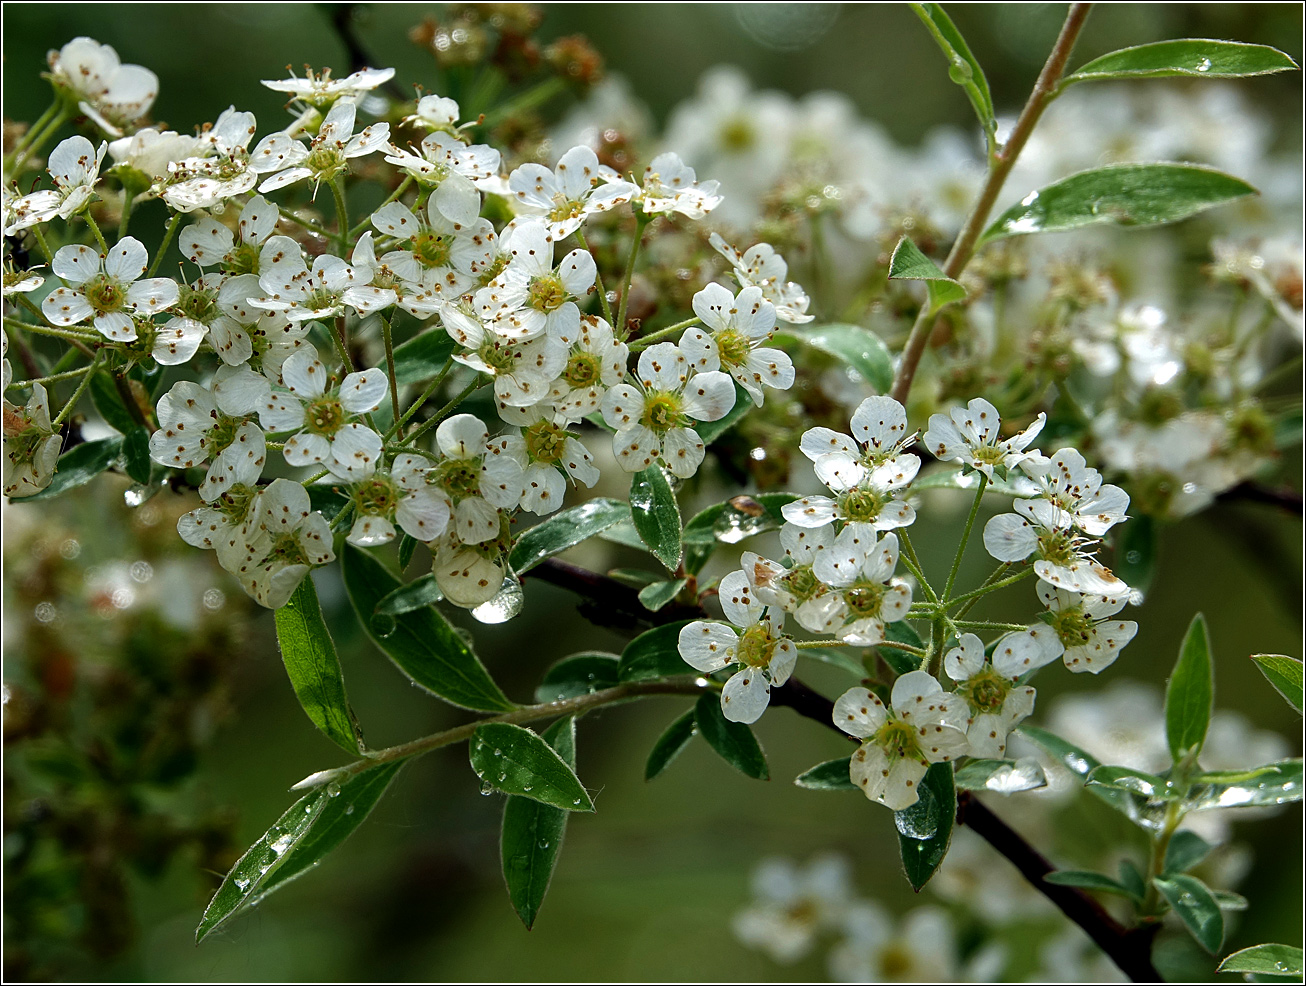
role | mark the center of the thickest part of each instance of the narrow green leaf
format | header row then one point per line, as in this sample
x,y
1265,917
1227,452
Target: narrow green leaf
x,y
1136,547
1138,782
654,654
1121,194
710,431
1186,850
514,760
636,578
1266,960
314,668
1193,902
909,264
77,467
326,500
860,348
829,776
1288,428
1090,881
656,515
1131,878
414,595
311,827
136,454
423,645
407,545
963,68
658,594
1230,901
423,356
1001,776
734,741
1274,784
925,828
901,661
1190,694
105,397
669,745
1285,674
730,522
532,834
1198,58
565,529
623,532
577,674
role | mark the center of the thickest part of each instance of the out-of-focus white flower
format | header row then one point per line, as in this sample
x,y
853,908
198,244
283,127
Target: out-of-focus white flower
x,y
74,167
739,326
761,267
792,905
577,188
107,288
31,445
920,950
1274,267
112,94
149,153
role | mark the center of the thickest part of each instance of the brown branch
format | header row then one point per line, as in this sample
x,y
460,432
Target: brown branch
x,y
1283,497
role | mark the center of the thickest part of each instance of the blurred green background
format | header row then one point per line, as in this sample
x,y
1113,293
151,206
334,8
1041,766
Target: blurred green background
x,y
646,887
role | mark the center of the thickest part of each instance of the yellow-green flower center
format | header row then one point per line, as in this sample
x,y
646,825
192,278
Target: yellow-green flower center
x,y
565,208
985,691
324,416
497,355
1073,626
198,304
545,442
242,259
325,162
663,410
223,433
755,646
900,739
104,294
546,293
861,505
460,478
801,582
432,249
234,504
865,599
582,370
733,347
376,497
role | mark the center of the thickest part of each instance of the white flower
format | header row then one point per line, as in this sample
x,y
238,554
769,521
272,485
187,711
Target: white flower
x,y
765,656
320,417
395,279
209,243
995,706
224,166
477,478
1039,527
925,725
231,495
20,281
796,589
653,419
1067,481
761,267
270,338
436,113
197,423
792,905
566,196
328,153
1082,628
972,437
31,445
404,496
320,90
523,371
531,297
864,594
469,575
738,326
150,152
453,169
74,167
597,361
110,93
671,186
285,539
305,293
547,453
446,256
106,289
922,949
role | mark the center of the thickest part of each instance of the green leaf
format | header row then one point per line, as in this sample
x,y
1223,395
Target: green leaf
x,y
1268,960
514,760
407,545
1138,782
710,431
1190,693
1274,784
136,454
423,645
1088,880
1122,194
925,828
565,529
963,69
623,532
77,467
902,632
654,654
1186,850
860,348
838,657
577,674
327,500
1193,902
1081,763
532,834
730,522
1001,776
1230,901
669,745
417,594
1136,546
313,826
314,668
1288,428
829,776
107,400
909,264
1198,58
1132,879
423,356
657,594
656,515
1285,674
734,741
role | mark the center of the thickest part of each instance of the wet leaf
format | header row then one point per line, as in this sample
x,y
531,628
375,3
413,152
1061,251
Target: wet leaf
x,y
1285,674
657,594
1267,960
734,741
1001,776
565,529
107,400
1186,850
77,467
578,674
1198,910
669,745
909,264
860,348
1190,694
925,828
963,68
514,760
847,659
1139,782
1197,58
730,522
829,776
656,515
1090,881
654,654
902,632
1080,763
136,454
414,595
423,356
1274,784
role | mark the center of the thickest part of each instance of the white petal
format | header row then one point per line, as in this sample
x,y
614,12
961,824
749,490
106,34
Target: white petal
x,y
745,696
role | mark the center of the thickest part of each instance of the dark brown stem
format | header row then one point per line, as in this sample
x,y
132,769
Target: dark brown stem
x,y
1045,90
1284,497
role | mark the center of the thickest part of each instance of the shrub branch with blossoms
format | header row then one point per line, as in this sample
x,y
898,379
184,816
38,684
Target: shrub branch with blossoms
x,y
533,362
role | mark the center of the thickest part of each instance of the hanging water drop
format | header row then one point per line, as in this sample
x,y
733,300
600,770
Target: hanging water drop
x,y
333,790
506,604
487,788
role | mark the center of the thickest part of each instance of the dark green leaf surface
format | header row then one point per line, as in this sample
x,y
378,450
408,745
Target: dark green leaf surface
x,y
1190,694
78,467
514,760
860,348
1121,194
1186,850
532,834
136,454
1133,781
1193,902
565,529
734,741
107,400
656,515
1285,674
417,594
670,744
657,594
710,431
423,645
1001,776
314,668
407,545
310,828
829,776
578,674
654,654
1078,762
1198,58
901,661
925,828
423,356
1274,784
909,264
963,68
1267,960
1089,881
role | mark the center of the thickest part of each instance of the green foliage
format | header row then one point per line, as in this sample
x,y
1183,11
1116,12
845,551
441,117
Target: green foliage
x,y
734,741
859,347
514,760
1186,850
1088,880
829,776
578,674
909,264
654,654
670,744
656,515
108,402
925,828
1195,58
423,356
1266,960
1285,674
136,454
729,522
565,529
314,668
656,595
1199,911
1190,694
1000,776
963,69
417,594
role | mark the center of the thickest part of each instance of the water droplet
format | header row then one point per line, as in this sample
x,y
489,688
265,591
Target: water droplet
x,y
242,883
349,810
1204,65
333,790
487,788
498,752
142,571
742,518
214,599
135,496
506,604
526,787
544,843
576,802
960,71
45,612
